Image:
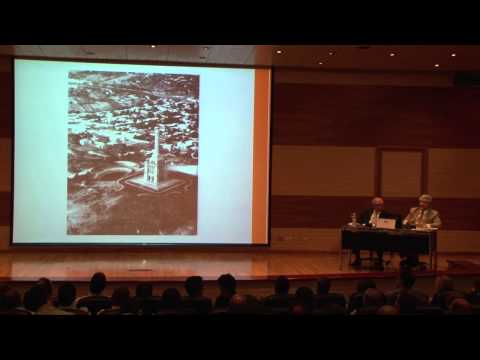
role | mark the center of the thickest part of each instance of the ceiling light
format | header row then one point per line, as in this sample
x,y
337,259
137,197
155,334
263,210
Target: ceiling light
x,y
279,51
453,54
153,46
320,63
331,53
437,65
392,54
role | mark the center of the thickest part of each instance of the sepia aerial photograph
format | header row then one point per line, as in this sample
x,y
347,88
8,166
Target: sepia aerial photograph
x,y
132,153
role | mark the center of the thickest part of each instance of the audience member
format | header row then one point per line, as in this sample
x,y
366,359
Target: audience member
x,y
444,289
405,284
306,298
96,301
120,303
36,300
11,302
281,298
325,297
388,310
356,299
195,299
460,306
228,287
66,296
473,296
171,301
406,303
144,302
372,300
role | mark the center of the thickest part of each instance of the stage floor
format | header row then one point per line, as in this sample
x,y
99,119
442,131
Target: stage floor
x,y
159,265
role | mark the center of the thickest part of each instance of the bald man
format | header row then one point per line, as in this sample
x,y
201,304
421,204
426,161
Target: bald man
x,y
369,218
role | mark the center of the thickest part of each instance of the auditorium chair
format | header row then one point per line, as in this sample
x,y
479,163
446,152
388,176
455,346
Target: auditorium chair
x,y
94,304
279,301
148,306
430,310
330,299
201,305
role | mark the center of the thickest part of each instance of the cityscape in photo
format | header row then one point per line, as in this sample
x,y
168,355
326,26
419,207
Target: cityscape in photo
x,y
132,153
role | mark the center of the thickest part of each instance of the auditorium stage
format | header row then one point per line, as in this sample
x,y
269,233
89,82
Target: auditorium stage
x,y
175,265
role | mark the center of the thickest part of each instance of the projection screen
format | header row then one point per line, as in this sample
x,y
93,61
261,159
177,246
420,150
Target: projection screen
x,y
140,154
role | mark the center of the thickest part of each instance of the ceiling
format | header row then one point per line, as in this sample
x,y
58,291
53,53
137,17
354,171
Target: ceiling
x,y
327,57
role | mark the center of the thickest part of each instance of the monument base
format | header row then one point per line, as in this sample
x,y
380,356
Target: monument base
x,y
161,187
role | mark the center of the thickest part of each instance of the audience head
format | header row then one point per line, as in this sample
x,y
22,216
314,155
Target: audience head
x,y
121,297
98,283
305,296
282,285
365,284
194,286
237,303
47,284
35,297
476,285
323,286
299,309
460,306
407,280
66,294
144,290
406,303
443,283
373,298
388,310
227,284
171,298
10,299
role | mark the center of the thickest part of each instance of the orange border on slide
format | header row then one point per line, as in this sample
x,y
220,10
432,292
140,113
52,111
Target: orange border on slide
x,y
261,134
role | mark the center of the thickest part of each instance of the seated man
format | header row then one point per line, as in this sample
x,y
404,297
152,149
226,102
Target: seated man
x,y
325,298
421,216
281,298
195,299
370,218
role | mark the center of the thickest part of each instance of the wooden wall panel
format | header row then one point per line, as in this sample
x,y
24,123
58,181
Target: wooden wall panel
x,y
353,115
324,171
6,104
4,237
401,174
5,208
454,173
333,212
458,241
456,124
5,164
305,239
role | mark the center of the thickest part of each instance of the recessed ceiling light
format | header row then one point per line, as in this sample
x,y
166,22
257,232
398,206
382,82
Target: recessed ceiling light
x,y
320,63
153,46
437,65
279,51
453,54
331,53
392,54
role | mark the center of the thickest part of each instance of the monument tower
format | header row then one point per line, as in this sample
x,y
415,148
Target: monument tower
x,y
155,167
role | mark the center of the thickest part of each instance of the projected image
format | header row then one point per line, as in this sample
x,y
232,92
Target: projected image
x,y
132,153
